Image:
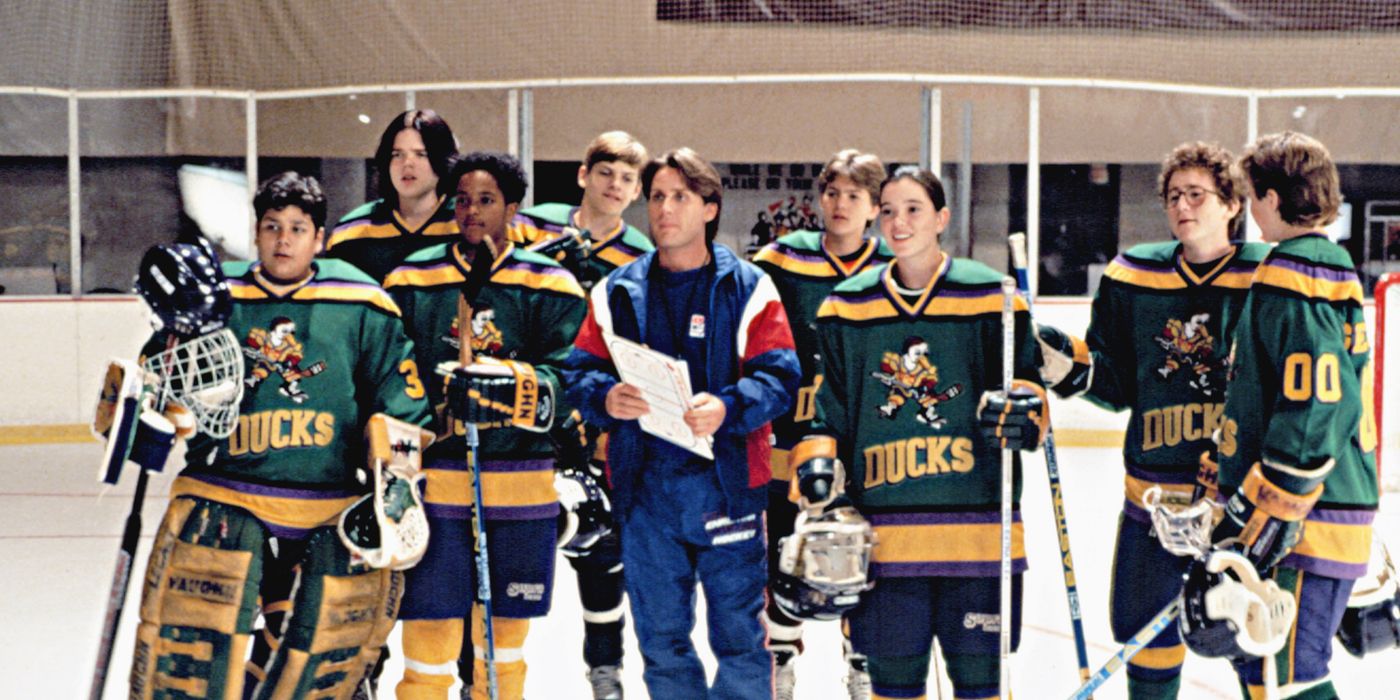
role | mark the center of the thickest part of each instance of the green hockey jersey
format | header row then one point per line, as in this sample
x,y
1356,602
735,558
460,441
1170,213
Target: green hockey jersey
x,y
611,249
1160,350
319,359
373,237
529,311
1300,393
805,273
904,374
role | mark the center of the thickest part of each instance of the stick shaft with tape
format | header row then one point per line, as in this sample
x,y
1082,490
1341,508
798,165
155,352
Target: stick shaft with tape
x,y
1052,469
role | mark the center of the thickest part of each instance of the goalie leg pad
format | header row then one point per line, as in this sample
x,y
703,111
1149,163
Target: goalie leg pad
x,y
198,601
341,615
388,528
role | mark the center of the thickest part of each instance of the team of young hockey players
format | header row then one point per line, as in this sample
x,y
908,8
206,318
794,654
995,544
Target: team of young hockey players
x,y
402,419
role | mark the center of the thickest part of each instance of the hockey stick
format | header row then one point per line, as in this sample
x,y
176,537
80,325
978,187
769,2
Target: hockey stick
x,y
1008,460
482,262
1135,644
121,577
1052,470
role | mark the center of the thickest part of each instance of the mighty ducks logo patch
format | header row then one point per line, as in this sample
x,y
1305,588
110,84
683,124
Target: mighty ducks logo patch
x,y
1190,348
910,376
276,350
486,338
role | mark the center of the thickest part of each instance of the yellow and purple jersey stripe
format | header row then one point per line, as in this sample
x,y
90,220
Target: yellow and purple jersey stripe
x,y
520,489
289,512
963,543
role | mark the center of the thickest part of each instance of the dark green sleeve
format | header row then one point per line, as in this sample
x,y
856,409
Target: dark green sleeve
x,y
388,373
1317,407
1110,340
557,326
833,396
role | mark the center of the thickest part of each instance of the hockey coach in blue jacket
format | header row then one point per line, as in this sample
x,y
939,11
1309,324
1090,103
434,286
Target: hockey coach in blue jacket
x,y
685,517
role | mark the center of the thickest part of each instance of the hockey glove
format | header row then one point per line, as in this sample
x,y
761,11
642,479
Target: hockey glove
x,y
1228,610
573,448
1015,423
1264,519
1066,367
818,477
495,393
570,249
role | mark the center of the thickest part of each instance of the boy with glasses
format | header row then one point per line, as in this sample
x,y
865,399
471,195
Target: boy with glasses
x,y
1157,346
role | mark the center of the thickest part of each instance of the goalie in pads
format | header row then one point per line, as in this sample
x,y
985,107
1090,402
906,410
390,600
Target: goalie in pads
x,y
254,512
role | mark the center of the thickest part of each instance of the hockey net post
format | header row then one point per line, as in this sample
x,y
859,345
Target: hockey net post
x,y
1387,394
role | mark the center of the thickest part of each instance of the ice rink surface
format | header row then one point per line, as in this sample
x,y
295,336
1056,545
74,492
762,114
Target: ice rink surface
x,y
58,542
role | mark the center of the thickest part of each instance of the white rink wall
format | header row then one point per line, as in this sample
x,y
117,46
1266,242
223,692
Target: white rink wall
x,y
56,348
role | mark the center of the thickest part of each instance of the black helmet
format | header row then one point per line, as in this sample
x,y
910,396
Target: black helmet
x,y
184,288
585,515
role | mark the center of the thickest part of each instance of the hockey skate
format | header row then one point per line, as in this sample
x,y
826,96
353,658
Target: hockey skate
x,y
785,680
606,682
857,679
887,410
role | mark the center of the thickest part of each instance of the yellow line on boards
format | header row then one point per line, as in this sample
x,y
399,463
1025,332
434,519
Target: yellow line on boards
x,y
45,434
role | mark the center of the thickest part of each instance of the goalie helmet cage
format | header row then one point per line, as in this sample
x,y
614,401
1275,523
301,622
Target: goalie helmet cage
x,y
1387,393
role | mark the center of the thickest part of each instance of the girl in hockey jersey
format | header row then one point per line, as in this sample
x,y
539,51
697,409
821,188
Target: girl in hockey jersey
x,y
1298,435
909,353
1157,345
411,214
805,266
264,502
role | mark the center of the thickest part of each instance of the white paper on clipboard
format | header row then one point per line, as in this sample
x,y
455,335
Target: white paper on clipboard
x,y
665,384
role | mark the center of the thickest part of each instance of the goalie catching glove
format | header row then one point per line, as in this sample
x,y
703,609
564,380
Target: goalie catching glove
x,y
1066,365
495,393
1227,610
1017,422
1264,518
388,527
824,565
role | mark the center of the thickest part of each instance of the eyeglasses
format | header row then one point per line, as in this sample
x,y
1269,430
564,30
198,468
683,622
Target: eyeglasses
x,y
1194,196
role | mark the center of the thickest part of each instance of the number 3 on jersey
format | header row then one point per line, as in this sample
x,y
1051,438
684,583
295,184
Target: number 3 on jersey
x,y
413,386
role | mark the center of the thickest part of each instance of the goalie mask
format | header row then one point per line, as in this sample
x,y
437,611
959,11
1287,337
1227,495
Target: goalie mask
x,y
1372,619
204,375
823,565
585,514
184,288
1227,610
